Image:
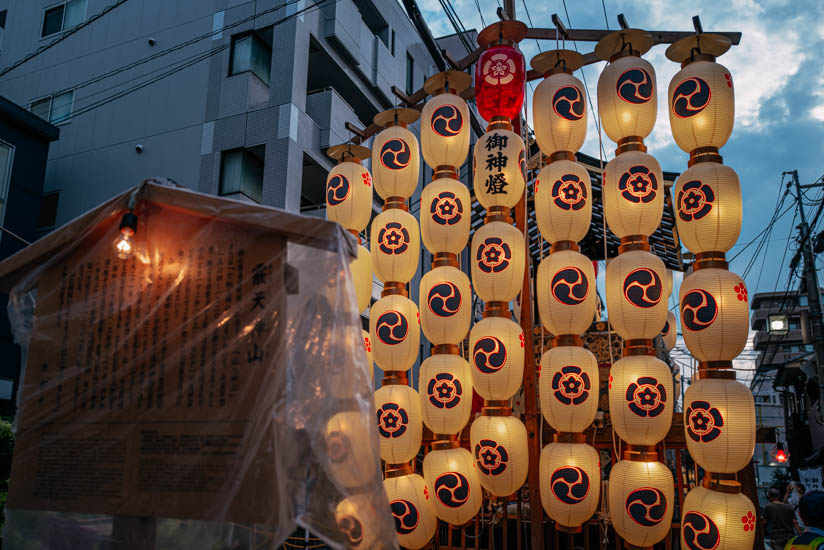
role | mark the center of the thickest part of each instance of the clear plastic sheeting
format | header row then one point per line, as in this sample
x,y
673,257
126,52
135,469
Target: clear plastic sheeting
x,y
209,390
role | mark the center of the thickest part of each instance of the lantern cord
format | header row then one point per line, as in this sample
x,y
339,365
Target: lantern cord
x,y
604,7
480,13
584,78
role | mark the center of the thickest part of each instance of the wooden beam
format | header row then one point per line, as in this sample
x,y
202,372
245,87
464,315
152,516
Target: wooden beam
x,y
469,59
355,130
594,35
509,8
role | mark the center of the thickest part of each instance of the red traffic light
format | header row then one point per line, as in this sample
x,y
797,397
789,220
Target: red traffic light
x,y
780,454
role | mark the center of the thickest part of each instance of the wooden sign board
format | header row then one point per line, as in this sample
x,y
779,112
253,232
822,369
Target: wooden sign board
x,y
150,382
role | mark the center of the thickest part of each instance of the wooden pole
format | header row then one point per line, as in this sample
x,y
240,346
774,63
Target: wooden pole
x,y
531,414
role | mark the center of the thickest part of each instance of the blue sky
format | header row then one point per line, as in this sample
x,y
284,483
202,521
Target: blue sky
x,y
779,81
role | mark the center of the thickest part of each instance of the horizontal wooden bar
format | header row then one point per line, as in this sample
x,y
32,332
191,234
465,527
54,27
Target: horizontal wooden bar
x,y
594,35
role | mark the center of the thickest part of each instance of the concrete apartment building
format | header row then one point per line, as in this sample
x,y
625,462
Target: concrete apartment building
x,y
786,365
230,97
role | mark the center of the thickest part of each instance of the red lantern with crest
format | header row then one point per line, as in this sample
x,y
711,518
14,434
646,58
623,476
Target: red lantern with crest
x,y
500,73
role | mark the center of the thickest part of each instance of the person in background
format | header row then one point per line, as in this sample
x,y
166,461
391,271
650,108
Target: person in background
x,y
795,491
779,524
811,509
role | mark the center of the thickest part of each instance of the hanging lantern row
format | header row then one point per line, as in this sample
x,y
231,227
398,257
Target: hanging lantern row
x,y
498,259
719,412
641,393
445,302
565,289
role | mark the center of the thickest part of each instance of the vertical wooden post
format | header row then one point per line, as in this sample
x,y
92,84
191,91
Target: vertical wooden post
x,y
531,414
750,489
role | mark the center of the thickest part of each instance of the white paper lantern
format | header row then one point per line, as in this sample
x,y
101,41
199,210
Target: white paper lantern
x,y
351,449
498,174
668,284
719,423
354,516
349,195
395,162
566,292
627,98
707,206
633,194
499,446
446,212
641,399
446,393
498,257
398,411
568,388
361,268
559,107
641,498
445,305
445,131
453,479
636,303
496,347
395,245
714,314
563,201
394,330
412,510
721,521
701,105
570,482
670,331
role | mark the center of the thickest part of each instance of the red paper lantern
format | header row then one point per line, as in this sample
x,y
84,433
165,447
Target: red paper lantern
x,y
500,75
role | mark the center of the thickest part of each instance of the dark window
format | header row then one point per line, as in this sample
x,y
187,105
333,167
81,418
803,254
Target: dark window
x,y
252,52
63,16
2,26
392,48
55,109
410,74
53,20
241,171
48,210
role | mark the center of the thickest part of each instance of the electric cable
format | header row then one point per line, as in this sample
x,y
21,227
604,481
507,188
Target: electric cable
x,y
186,64
28,57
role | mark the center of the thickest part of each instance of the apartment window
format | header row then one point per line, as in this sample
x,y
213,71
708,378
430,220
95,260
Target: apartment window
x,y
48,210
6,160
392,48
802,301
252,52
410,74
6,388
63,16
2,26
241,171
57,109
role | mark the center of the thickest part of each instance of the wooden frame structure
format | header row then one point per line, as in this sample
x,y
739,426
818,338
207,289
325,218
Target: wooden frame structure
x,y
533,419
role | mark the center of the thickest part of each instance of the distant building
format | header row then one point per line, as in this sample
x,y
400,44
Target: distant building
x,y
24,213
785,365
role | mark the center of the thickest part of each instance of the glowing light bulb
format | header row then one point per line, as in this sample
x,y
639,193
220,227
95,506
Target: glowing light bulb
x,y
124,245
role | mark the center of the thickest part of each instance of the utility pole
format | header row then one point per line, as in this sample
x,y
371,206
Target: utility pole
x,y
813,296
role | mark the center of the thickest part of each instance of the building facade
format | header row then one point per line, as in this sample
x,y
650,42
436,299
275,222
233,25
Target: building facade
x,y
24,209
229,97
783,385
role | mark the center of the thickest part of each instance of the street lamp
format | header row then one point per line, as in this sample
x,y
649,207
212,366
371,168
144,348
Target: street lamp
x,y
778,324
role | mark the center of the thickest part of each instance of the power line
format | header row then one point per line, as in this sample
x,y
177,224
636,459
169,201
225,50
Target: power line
x,y
604,7
477,5
586,88
61,38
176,47
189,62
